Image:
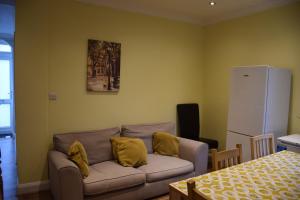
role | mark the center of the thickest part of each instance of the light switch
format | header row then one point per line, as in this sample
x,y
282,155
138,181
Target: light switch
x,y
52,96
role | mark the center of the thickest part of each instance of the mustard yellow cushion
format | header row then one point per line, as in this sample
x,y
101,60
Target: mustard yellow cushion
x,y
78,155
114,143
165,144
129,152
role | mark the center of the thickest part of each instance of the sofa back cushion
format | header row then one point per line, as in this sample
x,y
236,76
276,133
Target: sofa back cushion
x,y
145,131
96,143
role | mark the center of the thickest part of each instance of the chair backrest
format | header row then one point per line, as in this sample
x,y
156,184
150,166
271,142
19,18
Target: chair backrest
x,y
226,158
262,145
193,193
188,120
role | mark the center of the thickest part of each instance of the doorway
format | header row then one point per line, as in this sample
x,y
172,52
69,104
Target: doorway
x,y
7,110
6,90
7,121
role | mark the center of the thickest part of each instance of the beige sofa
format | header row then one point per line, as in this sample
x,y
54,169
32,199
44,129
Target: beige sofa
x,y
108,179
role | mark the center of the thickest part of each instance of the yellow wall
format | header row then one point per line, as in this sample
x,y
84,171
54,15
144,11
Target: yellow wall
x,y
31,86
160,67
271,37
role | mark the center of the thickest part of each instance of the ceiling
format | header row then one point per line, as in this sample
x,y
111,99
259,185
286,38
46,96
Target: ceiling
x,y
192,11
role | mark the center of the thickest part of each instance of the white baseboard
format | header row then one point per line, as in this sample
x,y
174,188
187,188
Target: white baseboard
x,y
33,187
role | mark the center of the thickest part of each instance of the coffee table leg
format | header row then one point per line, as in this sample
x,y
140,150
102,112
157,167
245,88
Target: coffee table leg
x,y
174,194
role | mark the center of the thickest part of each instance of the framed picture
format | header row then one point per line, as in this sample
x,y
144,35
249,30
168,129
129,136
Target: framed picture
x,y
103,63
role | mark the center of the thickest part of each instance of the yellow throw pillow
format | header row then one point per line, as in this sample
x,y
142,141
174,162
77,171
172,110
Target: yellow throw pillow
x,y
129,152
165,144
78,155
114,143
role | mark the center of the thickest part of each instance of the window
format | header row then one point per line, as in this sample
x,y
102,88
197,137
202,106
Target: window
x,y
6,87
5,48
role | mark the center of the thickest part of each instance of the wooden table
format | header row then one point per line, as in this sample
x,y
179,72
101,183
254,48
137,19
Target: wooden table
x,y
276,176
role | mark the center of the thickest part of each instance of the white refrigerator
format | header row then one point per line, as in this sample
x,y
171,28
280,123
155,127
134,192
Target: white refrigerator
x,y
258,104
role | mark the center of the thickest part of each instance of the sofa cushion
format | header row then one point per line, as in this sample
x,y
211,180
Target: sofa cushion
x,y
129,152
161,167
78,155
145,131
165,144
109,176
146,137
96,143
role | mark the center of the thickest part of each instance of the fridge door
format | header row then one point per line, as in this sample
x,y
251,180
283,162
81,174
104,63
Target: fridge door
x,y
234,138
247,100
278,101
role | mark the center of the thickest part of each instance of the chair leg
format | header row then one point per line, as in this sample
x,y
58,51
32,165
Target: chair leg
x,y
214,162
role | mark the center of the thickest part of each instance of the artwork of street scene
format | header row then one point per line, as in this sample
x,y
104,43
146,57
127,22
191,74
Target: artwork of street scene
x,y
103,66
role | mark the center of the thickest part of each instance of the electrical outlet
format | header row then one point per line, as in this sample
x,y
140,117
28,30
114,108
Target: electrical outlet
x,y
52,96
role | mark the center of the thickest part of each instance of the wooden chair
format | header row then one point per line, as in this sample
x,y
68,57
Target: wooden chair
x,y
226,158
193,193
262,145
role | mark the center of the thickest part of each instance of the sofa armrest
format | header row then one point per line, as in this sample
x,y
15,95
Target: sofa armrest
x,y
195,152
65,177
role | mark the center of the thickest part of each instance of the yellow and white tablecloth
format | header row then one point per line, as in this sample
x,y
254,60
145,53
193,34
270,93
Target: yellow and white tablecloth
x,y
276,176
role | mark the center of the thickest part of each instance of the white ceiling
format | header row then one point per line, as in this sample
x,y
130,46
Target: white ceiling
x,y
193,11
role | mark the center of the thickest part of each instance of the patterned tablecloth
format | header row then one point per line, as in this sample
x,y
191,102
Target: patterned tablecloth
x,y
276,176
